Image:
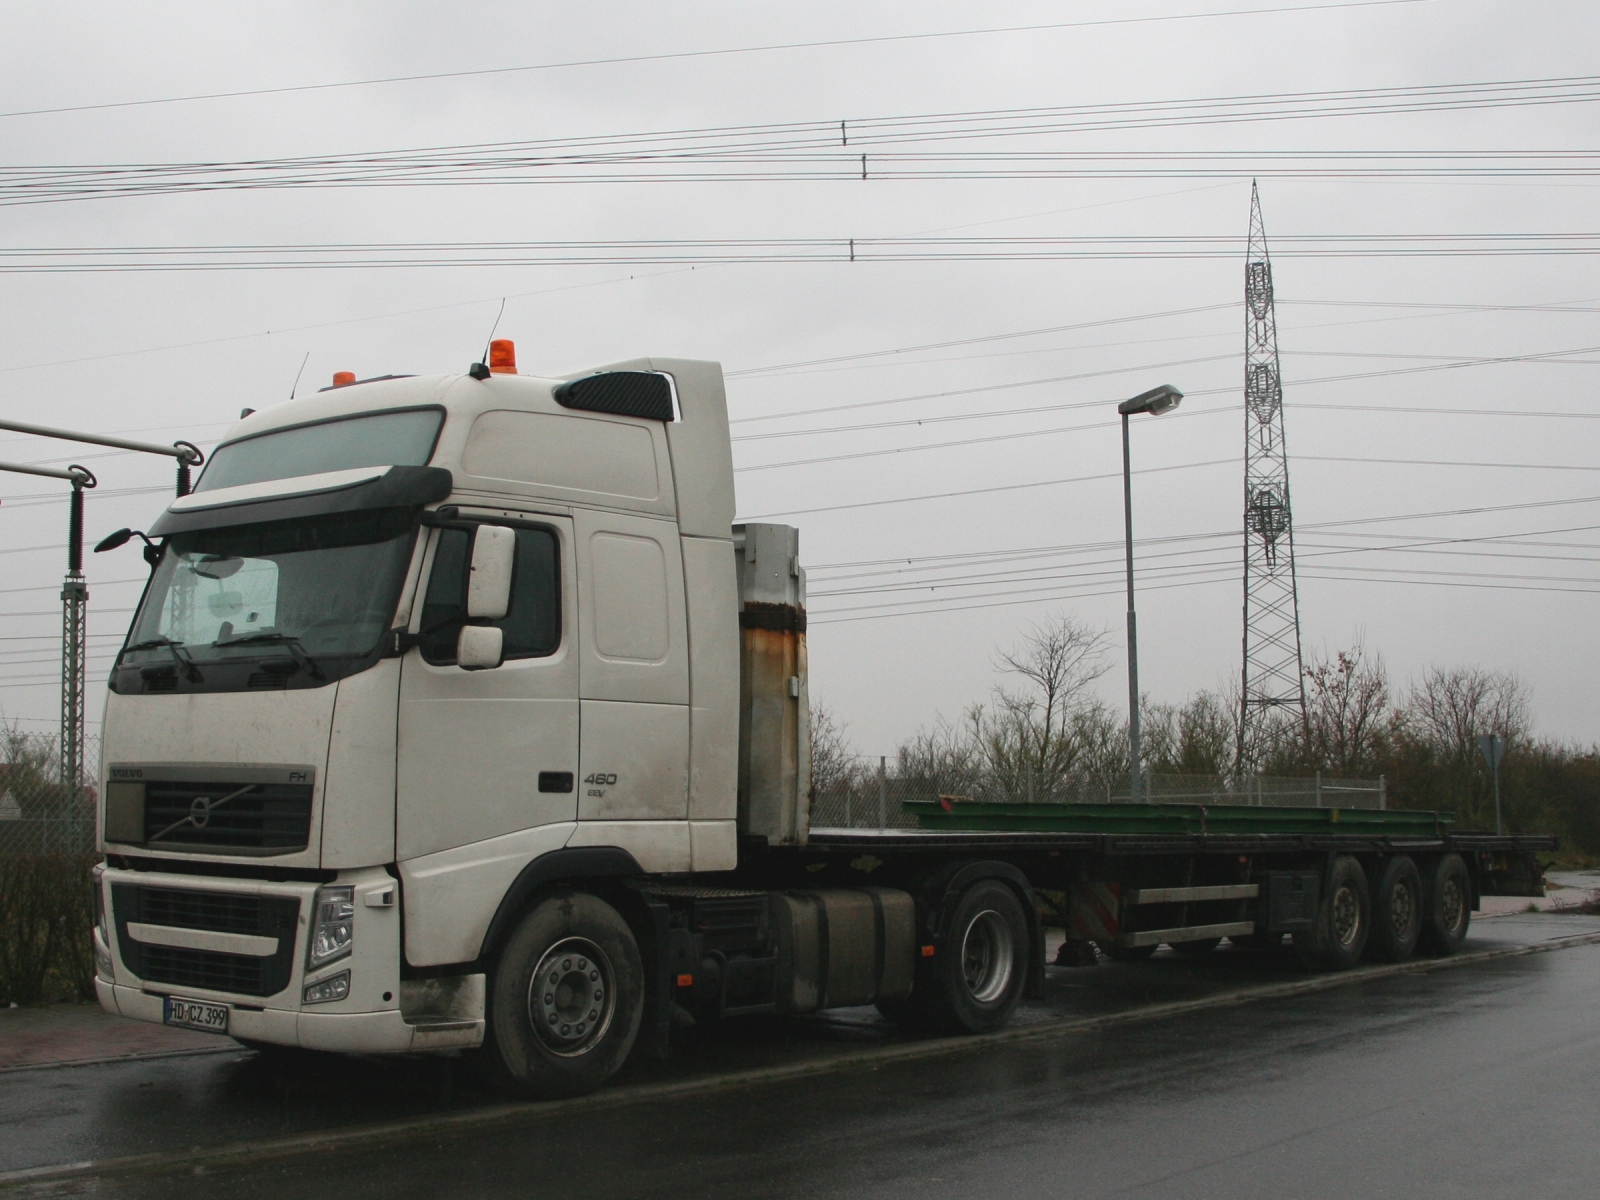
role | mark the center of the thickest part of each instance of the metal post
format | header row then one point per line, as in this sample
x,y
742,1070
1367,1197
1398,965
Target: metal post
x,y
1319,789
1134,772
187,453
1383,794
74,647
74,651
1497,829
883,792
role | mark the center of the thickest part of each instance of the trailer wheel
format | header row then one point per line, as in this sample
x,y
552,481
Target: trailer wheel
x,y
1447,907
1396,911
565,1000
1344,920
975,981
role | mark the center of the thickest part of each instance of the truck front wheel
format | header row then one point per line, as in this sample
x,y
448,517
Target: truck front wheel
x,y
566,999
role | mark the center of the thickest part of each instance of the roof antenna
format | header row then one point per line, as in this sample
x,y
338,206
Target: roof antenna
x,y
480,369
299,373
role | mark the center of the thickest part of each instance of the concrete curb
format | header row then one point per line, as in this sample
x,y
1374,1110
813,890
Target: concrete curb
x,y
239,1153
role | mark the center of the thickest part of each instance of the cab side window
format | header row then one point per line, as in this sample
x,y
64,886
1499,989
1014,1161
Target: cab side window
x,y
532,624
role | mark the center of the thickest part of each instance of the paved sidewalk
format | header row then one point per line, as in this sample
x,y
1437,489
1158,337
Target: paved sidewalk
x,y
1563,889
66,1033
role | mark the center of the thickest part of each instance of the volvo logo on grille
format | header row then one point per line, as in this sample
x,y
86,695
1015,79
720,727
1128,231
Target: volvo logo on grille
x,y
200,811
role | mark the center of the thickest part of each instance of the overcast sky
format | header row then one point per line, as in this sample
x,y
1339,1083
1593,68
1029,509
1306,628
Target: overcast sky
x,y
177,353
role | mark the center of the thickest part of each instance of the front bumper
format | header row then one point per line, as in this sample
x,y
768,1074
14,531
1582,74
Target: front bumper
x,y
370,1020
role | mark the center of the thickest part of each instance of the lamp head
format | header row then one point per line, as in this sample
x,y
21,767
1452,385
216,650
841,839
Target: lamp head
x,y
1155,402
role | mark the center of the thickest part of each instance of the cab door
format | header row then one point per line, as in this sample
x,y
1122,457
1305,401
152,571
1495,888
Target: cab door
x,y
490,752
635,669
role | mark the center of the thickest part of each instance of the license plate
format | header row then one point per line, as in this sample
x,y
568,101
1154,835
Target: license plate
x,y
195,1014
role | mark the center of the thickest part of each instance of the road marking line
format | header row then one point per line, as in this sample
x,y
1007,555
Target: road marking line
x,y
238,1153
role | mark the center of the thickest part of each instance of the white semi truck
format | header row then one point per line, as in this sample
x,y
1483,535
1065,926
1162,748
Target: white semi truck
x,y
458,714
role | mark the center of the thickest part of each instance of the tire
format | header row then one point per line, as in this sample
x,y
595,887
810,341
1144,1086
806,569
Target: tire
x,y
1196,949
569,1035
1118,953
1344,920
1396,911
974,983
1446,907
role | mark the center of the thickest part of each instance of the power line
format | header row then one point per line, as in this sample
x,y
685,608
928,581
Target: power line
x,y
687,54
711,251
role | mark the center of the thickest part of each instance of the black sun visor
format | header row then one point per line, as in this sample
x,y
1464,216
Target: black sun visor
x,y
397,487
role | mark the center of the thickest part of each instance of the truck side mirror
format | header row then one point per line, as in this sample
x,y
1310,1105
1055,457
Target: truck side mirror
x,y
494,556
479,648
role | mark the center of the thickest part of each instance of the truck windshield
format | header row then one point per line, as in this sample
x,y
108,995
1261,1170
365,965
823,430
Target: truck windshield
x,y
317,588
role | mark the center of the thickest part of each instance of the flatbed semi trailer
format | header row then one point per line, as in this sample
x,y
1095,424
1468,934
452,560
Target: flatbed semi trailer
x,y
458,715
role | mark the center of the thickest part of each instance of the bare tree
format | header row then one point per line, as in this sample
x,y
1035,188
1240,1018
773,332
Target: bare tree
x,y
1060,659
1448,708
834,762
1027,737
1207,735
1348,716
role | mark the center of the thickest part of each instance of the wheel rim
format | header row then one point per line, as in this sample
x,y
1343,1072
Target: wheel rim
x,y
1452,904
1346,916
571,996
987,957
1403,910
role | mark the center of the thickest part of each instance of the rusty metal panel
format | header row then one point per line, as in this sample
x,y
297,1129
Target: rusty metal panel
x,y
774,720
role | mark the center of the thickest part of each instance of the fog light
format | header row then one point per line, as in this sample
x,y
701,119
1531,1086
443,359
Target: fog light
x,y
336,987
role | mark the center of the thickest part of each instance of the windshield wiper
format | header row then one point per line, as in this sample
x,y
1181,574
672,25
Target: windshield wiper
x,y
190,671
289,642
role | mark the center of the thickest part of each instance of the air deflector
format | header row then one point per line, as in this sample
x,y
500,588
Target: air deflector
x,y
645,394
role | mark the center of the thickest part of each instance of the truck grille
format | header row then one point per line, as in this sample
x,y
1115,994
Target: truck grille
x,y
274,817
220,912
206,969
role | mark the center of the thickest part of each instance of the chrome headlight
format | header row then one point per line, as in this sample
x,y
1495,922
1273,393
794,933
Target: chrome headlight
x,y
333,926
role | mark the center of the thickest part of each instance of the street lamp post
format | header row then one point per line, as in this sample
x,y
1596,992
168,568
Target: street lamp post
x,y
1155,402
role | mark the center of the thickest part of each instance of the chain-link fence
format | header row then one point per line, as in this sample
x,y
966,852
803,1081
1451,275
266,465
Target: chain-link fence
x,y
873,794
38,813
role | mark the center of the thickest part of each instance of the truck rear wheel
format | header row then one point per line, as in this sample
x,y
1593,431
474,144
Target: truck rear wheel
x,y
1447,907
975,981
1396,911
1344,920
566,999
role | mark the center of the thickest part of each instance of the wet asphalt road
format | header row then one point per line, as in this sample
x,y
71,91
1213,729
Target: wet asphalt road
x,y
1482,1079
